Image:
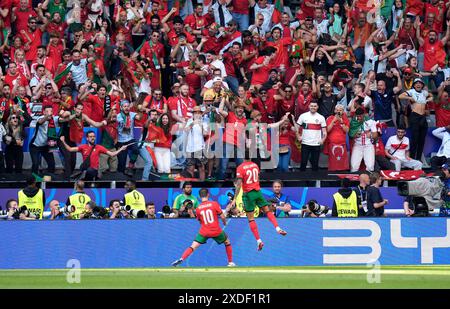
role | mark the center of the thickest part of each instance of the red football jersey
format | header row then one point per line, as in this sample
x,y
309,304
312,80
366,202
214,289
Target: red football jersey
x,y
208,214
249,173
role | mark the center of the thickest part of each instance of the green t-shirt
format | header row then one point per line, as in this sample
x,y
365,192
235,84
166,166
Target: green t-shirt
x,y
179,200
60,8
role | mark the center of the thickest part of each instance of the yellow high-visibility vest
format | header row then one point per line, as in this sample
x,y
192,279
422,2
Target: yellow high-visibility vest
x,y
346,207
78,200
136,200
34,204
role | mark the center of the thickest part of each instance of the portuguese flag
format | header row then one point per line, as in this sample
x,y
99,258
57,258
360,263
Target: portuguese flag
x,y
276,16
61,77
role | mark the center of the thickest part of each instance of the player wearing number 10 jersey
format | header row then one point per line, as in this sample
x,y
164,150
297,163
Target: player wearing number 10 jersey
x,y
208,213
247,175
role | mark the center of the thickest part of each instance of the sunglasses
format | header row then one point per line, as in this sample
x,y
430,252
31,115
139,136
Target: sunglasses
x,y
13,118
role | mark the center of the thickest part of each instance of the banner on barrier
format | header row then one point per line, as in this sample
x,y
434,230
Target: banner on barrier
x,y
156,243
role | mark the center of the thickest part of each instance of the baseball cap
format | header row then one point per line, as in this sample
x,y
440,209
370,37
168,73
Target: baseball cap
x,y
217,79
418,80
407,70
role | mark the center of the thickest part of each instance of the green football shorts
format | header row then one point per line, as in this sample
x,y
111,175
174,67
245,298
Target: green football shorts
x,y
252,199
221,238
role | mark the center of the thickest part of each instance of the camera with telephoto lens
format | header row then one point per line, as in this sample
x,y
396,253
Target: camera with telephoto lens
x,y
135,213
24,210
67,210
98,213
126,208
188,204
314,207
427,193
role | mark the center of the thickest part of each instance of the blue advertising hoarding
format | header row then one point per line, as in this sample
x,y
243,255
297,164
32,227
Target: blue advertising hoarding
x,y
156,243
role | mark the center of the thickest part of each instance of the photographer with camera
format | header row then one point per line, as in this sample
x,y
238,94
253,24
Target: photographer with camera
x,y
135,199
314,210
92,211
13,212
345,201
33,198
185,203
118,210
58,213
78,199
281,203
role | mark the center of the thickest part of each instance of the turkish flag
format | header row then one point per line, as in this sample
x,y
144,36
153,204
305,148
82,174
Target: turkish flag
x,y
402,175
337,157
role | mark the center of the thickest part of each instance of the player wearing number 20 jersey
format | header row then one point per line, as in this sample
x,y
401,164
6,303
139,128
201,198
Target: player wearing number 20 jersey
x,y
208,213
247,175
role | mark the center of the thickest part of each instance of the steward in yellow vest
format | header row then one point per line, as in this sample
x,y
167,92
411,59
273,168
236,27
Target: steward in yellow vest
x,y
133,197
79,200
345,203
32,197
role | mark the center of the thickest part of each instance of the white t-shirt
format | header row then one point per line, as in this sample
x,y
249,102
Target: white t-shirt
x,y
419,97
367,128
79,72
195,140
312,125
267,12
321,27
403,146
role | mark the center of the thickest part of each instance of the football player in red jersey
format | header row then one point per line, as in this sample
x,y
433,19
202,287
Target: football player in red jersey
x,y
208,213
247,178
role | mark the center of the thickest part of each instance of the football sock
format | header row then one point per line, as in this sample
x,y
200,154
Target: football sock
x,y
187,253
272,219
254,229
229,251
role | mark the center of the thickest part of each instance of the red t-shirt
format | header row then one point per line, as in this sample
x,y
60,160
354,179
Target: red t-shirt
x,y
9,79
282,56
173,38
213,43
54,27
434,54
55,53
234,129
36,38
261,75
208,214
286,105
337,135
230,62
22,20
182,106
249,173
95,156
7,4
94,107
149,51
250,49
442,111
195,22
76,131
240,6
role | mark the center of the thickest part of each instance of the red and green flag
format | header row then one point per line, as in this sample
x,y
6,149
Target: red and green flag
x,y
278,10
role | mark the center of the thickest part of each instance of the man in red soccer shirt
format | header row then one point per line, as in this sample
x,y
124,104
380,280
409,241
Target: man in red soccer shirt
x,y
42,58
177,29
92,151
433,48
196,21
232,60
210,41
21,14
247,179
181,106
32,34
208,213
281,44
154,51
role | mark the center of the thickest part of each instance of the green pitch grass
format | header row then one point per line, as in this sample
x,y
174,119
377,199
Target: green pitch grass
x,y
239,277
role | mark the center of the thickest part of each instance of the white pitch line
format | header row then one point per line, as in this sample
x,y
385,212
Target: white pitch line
x,y
424,272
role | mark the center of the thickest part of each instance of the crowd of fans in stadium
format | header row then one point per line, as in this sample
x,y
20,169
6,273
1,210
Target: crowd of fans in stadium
x,y
213,73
